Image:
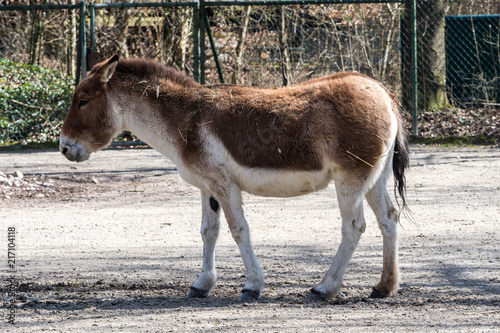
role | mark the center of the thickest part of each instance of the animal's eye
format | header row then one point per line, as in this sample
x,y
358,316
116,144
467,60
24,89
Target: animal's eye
x,y
83,102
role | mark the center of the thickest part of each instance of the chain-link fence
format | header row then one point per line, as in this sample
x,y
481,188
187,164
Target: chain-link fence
x,y
283,45
45,35
457,53
164,33
271,44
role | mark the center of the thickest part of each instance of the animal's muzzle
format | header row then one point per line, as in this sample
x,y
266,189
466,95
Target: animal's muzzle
x,y
73,150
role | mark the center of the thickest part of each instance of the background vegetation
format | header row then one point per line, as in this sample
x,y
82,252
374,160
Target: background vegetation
x,y
33,102
264,46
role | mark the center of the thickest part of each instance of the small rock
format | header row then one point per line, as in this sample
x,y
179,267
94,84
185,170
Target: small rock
x,y
7,197
40,195
18,174
17,183
2,174
3,179
95,181
47,184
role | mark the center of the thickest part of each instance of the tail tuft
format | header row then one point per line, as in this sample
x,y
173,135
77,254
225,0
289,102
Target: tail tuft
x,y
401,162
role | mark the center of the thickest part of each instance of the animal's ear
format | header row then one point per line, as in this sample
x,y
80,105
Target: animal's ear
x,y
108,68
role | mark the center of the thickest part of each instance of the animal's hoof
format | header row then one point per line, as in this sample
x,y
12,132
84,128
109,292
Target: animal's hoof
x,y
317,296
377,294
197,293
249,295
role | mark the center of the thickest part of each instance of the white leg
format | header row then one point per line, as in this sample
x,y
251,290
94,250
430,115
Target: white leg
x,y
353,225
387,217
210,223
238,226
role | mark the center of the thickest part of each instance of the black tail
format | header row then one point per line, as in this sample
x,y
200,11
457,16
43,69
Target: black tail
x,y
401,162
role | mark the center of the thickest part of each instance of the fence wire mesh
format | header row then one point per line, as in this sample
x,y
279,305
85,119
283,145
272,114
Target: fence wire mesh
x,y
163,34
457,54
41,37
283,45
458,44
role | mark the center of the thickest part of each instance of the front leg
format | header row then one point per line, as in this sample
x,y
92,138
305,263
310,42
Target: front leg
x,y
210,223
233,210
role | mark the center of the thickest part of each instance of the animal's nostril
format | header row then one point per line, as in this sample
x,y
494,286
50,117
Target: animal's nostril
x,y
64,150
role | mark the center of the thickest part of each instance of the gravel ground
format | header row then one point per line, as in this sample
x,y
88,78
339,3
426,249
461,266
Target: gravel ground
x,y
112,245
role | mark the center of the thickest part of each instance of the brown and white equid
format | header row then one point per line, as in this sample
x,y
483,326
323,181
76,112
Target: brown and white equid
x,y
279,142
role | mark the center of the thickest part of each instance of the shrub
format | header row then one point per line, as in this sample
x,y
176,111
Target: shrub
x,y
33,102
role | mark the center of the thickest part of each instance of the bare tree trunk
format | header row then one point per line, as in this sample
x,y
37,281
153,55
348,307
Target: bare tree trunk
x,y
431,57
186,22
122,22
35,37
339,43
239,48
71,68
285,52
365,42
394,15
175,37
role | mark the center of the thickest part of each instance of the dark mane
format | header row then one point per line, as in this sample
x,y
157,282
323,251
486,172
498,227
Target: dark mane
x,y
144,69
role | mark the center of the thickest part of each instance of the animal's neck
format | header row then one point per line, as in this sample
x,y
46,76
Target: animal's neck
x,y
156,115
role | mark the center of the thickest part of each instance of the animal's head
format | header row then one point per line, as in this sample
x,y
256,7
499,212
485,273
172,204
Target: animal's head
x,y
91,123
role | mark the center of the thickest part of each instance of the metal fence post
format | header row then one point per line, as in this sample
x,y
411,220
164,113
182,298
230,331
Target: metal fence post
x,y
196,28
414,67
92,27
214,49
202,40
84,39
81,69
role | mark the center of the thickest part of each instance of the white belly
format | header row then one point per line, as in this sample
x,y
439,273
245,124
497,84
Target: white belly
x,y
267,182
279,183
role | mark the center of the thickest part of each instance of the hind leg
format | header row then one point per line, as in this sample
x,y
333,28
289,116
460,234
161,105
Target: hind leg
x,y
353,225
387,218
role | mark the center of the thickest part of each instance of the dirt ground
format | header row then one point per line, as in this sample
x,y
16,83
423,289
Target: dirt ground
x,y
113,245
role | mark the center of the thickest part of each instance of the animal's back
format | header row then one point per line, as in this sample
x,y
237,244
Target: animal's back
x,y
345,118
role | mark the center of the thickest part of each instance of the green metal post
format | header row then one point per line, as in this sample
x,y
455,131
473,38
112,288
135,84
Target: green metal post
x,y
78,60
83,40
414,68
214,49
196,27
92,27
202,41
